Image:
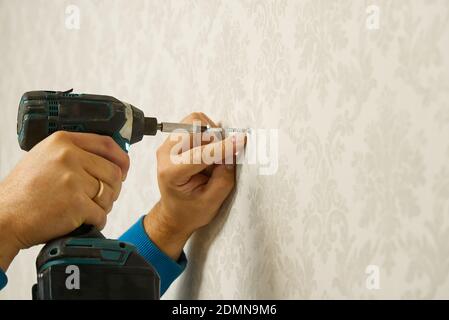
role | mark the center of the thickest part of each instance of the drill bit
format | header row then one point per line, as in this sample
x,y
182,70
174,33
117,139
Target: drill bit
x,y
228,130
171,127
151,126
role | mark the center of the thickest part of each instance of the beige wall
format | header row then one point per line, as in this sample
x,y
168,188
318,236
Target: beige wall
x,y
363,115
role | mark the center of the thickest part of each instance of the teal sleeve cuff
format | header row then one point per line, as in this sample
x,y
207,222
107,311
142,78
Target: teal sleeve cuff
x,y
167,268
3,279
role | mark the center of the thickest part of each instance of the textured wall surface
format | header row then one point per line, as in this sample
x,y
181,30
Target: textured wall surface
x,y
363,119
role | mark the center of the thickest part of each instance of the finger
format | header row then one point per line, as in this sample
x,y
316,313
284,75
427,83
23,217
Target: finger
x,y
208,171
102,146
194,183
102,169
220,184
92,186
198,116
209,121
199,158
90,183
94,214
205,137
105,197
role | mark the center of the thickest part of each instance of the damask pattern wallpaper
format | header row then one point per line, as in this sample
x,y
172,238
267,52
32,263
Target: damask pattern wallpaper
x,y
358,92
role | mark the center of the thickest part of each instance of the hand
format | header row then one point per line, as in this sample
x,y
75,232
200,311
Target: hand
x,y
50,192
191,194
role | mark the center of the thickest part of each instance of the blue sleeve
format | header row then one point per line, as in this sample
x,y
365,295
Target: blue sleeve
x,y
3,279
167,268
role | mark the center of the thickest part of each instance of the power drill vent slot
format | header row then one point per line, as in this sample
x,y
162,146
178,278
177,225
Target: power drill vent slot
x,y
77,245
72,127
52,127
70,95
53,108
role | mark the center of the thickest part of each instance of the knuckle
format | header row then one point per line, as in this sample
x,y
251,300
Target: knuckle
x,y
65,154
69,180
117,192
78,201
108,210
117,173
103,222
60,136
227,183
127,158
163,173
126,161
159,153
99,219
197,115
110,199
108,142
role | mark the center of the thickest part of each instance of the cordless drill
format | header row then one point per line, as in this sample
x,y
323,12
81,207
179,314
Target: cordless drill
x,y
108,269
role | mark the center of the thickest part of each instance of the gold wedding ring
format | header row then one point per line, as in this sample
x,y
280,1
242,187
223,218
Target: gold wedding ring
x,y
100,190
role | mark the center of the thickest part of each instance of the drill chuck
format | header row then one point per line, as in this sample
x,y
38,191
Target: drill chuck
x,y
150,126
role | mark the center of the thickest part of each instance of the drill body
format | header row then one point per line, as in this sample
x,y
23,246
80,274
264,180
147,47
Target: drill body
x,y
42,113
84,264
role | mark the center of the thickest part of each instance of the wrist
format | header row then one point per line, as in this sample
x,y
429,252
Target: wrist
x,y
9,246
169,238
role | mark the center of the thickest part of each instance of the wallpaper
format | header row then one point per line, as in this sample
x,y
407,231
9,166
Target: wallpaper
x,y
353,97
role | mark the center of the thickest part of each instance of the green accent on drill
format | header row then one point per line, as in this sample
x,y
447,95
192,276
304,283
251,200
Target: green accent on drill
x,y
75,262
112,252
99,243
122,142
111,255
